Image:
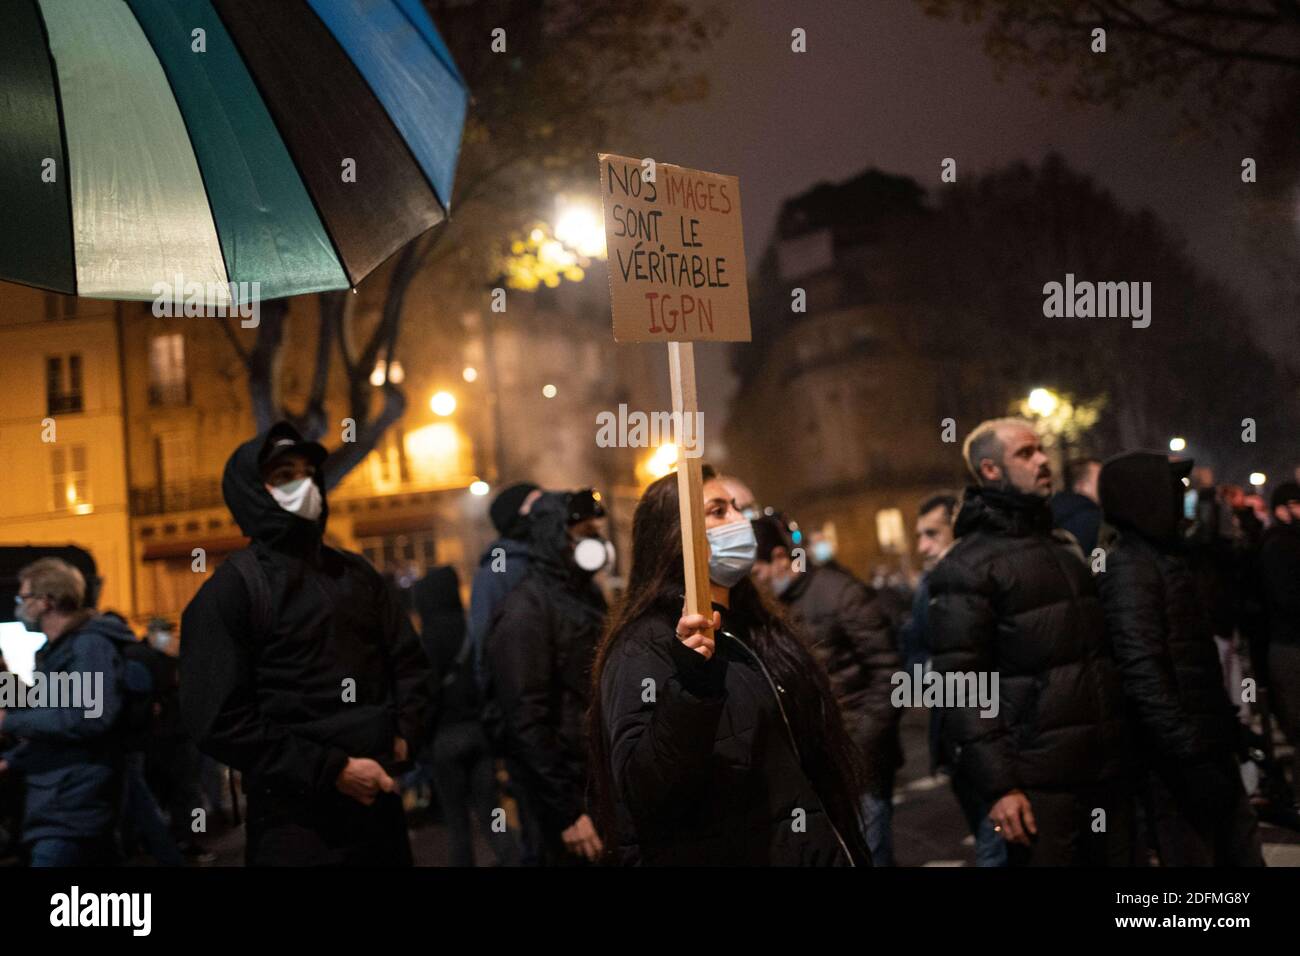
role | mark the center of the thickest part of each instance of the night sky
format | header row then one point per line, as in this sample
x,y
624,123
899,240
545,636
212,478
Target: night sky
x,y
884,85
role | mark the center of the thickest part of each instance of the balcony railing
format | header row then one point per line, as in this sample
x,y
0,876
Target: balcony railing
x,y
176,496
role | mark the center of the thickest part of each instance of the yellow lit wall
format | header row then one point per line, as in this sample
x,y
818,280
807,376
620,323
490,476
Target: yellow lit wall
x,y
28,512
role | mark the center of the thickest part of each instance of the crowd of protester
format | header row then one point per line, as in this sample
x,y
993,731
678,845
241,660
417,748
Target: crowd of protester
x,y
1140,628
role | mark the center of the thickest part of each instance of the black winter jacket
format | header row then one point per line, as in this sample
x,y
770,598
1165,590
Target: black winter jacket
x,y
72,762
1015,598
1159,630
272,705
704,767
539,651
1279,565
849,635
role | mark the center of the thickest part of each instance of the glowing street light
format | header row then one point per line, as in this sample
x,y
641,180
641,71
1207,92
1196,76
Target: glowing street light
x,y
1043,402
580,226
470,373
662,461
1258,478
443,403
479,489
1177,444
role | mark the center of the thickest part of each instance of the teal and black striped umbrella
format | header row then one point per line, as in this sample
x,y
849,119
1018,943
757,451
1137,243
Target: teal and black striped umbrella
x,y
292,143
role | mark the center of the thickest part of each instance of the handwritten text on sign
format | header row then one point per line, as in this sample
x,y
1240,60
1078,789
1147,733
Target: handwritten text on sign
x,y
676,253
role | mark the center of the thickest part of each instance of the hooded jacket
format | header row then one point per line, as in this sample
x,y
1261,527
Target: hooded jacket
x,y
1159,630
272,705
72,762
1279,566
1015,598
539,653
503,565
849,635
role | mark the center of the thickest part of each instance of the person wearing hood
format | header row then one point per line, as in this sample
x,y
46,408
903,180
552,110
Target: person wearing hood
x,y
300,670
1163,644
502,566
1014,600
849,634
539,652
1279,567
70,754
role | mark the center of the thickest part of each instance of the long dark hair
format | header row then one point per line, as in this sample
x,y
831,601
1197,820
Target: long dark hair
x,y
656,586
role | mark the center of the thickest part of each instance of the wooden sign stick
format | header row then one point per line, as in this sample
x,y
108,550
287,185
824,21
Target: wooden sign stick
x,y
690,482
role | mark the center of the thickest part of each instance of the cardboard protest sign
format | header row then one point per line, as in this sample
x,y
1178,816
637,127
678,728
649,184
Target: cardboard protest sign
x,y
676,253
677,275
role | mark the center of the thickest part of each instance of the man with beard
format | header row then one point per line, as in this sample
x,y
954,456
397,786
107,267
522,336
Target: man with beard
x,y
1014,599
539,653
300,670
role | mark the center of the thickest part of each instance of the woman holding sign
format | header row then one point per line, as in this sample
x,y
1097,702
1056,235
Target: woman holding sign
x,y
723,748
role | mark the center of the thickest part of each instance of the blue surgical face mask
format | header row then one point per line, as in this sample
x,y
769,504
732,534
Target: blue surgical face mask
x,y
732,549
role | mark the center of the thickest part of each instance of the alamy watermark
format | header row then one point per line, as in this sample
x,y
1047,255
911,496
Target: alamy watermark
x,y
179,299
924,687
78,690
1101,300
639,429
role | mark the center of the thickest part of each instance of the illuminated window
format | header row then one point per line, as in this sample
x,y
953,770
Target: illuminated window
x,y
71,475
63,392
889,531
168,383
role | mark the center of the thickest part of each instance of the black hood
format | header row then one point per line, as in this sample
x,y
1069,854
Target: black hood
x,y
548,538
1142,491
256,512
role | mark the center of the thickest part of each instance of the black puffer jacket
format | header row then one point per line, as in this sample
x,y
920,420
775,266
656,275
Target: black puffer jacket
x,y
539,651
703,765
1279,565
1015,598
849,635
272,704
1159,630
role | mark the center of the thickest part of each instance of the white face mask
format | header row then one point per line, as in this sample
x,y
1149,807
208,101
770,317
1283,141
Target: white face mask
x,y
732,549
592,554
301,497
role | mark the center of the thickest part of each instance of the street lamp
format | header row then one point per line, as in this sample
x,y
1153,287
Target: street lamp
x,y
662,461
1177,444
1043,402
580,226
1258,479
443,403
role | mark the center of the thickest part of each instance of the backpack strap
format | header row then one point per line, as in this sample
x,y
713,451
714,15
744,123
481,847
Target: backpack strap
x,y
259,596
258,587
